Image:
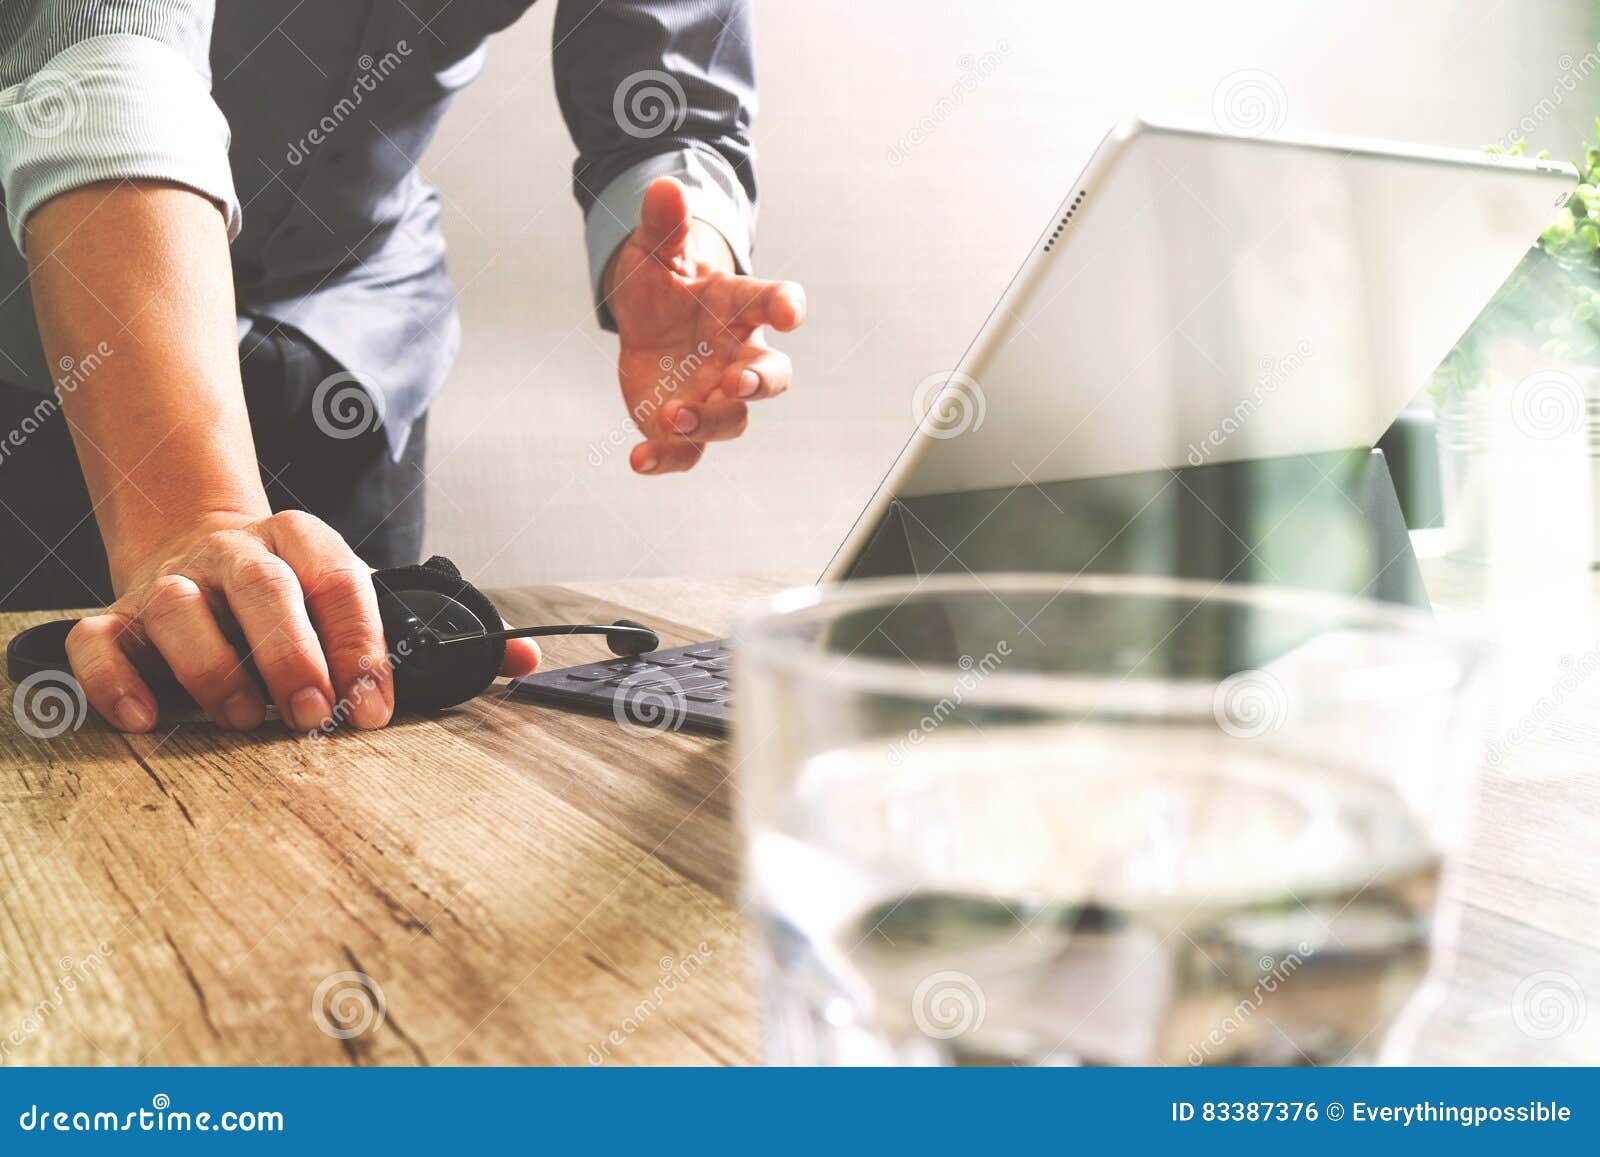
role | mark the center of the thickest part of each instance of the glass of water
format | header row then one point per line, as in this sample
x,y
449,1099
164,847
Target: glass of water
x,y
1052,820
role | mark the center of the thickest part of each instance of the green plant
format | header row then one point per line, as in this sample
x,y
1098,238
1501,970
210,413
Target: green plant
x,y
1551,302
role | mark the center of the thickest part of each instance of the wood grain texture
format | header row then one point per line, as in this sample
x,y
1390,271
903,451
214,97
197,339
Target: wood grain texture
x,y
526,886
522,886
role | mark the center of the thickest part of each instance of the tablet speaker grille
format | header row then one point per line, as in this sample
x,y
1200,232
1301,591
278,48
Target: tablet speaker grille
x,y
1061,225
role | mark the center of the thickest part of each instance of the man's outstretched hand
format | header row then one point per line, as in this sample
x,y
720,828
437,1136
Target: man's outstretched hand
x,y
693,354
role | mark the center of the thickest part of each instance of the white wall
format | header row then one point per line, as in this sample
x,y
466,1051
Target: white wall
x,y
901,260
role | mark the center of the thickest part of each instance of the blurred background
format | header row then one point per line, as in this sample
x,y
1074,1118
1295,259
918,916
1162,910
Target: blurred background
x,y
909,153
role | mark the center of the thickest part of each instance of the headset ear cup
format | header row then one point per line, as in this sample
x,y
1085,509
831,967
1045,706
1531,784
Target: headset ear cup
x,y
443,566
432,681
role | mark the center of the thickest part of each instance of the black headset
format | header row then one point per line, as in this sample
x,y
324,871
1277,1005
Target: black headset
x,y
446,640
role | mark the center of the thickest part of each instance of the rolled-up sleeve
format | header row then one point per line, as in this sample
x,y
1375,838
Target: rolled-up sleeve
x,y
658,88
106,90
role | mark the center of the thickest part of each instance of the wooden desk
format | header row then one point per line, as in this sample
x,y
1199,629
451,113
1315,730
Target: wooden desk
x,y
524,886
531,887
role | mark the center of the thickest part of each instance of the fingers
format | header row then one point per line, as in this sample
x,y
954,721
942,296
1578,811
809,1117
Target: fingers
x,y
717,419
285,593
720,416
265,597
522,657
758,373
664,219
687,426
180,624
108,677
665,456
751,303
343,607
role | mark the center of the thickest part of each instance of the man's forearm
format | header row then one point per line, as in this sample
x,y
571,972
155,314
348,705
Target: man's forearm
x,y
142,270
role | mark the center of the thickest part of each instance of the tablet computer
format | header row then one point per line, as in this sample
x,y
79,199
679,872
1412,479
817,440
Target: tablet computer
x,y
1188,372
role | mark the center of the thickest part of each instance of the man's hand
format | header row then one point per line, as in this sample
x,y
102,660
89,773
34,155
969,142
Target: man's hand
x,y
284,590
693,354
287,592
206,574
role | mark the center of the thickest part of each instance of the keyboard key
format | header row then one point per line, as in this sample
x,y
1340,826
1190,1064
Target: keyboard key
x,y
665,686
640,679
669,680
711,651
708,695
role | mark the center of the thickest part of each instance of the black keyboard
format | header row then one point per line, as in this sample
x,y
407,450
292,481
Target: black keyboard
x,y
682,689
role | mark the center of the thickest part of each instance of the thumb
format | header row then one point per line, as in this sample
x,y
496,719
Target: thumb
x,y
664,219
522,658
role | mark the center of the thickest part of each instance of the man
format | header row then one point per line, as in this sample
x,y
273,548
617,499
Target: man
x,y
249,421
